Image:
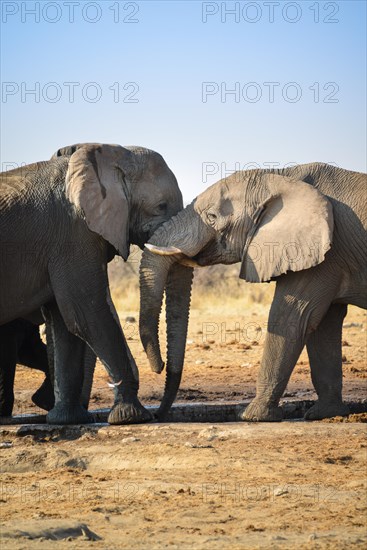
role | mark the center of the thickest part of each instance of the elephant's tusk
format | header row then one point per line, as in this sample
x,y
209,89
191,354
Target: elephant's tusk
x,y
171,251
163,250
111,385
188,262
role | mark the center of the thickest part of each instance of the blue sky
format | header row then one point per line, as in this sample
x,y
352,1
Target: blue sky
x,y
173,69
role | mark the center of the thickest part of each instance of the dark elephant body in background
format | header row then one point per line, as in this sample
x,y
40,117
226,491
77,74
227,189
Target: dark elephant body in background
x,y
20,342
61,222
304,227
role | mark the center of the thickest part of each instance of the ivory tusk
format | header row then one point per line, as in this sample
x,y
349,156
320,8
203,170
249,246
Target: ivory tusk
x,y
189,262
163,250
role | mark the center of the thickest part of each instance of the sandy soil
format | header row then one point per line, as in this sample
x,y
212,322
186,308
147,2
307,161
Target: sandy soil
x,y
234,485
222,360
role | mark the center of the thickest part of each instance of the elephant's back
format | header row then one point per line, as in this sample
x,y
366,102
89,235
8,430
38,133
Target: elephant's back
x,y
40,175
29,200
346,189
347,192
345,186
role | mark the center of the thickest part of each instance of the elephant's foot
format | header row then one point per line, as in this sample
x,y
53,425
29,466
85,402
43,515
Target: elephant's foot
x,y
69,414
320,410
44,397
258,411
132,412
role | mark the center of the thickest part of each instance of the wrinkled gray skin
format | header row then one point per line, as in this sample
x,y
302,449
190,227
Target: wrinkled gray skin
x,y
304,227
61,222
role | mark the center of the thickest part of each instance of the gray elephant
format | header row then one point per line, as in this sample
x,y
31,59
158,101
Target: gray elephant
x,y
304,227
61,222
20,342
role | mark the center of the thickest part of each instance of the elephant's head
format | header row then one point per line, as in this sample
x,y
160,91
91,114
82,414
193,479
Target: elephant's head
x,y
270,223
125,194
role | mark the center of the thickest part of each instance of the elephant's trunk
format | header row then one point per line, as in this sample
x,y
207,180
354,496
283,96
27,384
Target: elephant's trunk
x,y
178,294
184,235
153,275
156,274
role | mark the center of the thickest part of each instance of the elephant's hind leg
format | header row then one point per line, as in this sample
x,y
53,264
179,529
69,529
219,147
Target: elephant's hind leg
x,y
32,353
44,396
324,347
8,361
68,352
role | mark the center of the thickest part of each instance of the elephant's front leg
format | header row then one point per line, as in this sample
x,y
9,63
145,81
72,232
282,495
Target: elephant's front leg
x,y
299,305
324,347
102,331
127,408
68,354
281,352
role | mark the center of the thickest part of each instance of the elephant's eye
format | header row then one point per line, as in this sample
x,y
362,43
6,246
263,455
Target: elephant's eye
x,y
211,217
162,207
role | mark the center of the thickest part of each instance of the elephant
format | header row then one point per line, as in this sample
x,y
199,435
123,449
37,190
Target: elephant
x,y
20,342
61,222
303,227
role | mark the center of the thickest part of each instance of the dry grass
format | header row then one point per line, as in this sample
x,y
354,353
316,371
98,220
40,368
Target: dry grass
x,y
219,288
124,284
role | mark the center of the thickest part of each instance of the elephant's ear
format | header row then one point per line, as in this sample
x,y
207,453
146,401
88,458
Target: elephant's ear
x,y
95,183
68,150
292,230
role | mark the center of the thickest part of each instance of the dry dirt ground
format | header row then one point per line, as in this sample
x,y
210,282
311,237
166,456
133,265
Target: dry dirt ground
x,y
210,486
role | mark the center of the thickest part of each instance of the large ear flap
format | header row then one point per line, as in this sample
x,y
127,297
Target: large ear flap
x,y
95,183
292,230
